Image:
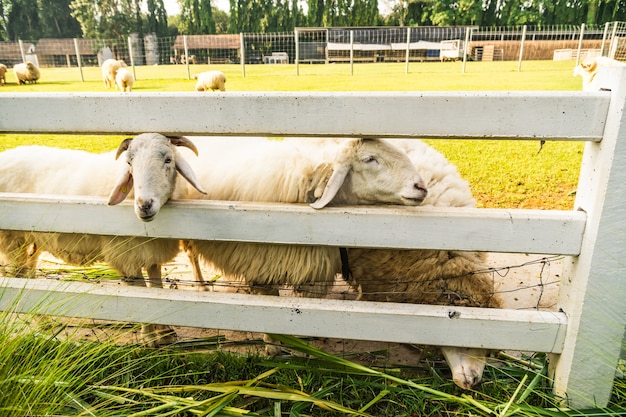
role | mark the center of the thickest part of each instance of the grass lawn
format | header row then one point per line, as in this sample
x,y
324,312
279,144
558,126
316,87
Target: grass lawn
x,y
509,174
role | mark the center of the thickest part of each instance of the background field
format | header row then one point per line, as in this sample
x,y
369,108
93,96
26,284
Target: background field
x,y
511,174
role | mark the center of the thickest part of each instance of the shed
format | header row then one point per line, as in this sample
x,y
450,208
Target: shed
x,y
10,53
53,52
208,48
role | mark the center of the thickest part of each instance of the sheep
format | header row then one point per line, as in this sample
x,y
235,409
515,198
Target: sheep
x,y
350,171
109,69
26,72
3,72
438,277
150,172
210,80
588,70
124,80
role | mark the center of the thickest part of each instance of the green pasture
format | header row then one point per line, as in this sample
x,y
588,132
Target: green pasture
x,y
510,174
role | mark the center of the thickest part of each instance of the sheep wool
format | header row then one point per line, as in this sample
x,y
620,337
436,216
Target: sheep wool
x,y
210,80
3,76
109,70
124,80
26,72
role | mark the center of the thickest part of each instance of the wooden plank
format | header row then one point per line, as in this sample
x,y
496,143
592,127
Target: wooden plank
x,y
405,323
593,291
493,230
519,115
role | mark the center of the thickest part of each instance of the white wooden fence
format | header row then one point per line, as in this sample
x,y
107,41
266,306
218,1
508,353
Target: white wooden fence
x,y
584,337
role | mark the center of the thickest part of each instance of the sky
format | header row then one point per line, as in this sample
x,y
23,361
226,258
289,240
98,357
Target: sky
x,y
172,7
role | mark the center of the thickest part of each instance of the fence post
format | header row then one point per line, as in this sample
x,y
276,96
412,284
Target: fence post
x,y
132,60
521,49
297,44
604,35
186,56
593,290
408,49
21,44
613,44
242,52
580,43
80,65
466,43
351,52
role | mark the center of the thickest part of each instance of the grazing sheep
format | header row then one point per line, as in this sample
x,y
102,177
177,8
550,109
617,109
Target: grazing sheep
x,y
124,80
3,76
109,69
26,72
588,70
150,170
437,277
210,80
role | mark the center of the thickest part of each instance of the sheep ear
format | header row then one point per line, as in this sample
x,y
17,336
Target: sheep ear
x,y
183,141
121,189
123,147
332,186
185,170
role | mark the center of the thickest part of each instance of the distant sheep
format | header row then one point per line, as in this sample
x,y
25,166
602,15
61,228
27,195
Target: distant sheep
x,y
149,170
588,70
3,76
109,69
124,80
210,80
26,72
437,277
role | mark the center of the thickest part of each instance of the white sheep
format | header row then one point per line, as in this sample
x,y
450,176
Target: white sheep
x,y
588,70
350,171
26,72
150,170
437,277
124,80
3,76
210,80
109,69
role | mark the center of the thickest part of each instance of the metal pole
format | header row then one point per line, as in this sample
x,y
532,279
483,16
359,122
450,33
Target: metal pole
x,y
521,50
132,60
295,34
408,48
186,56
580,43
80,64
243,55
21,44
351,52
604,35
465,47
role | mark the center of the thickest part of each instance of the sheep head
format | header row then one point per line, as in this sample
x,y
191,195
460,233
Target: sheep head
x,y
467,365
153,163
370,171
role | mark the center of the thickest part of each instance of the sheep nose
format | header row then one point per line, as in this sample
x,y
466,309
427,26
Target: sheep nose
x,y
145,206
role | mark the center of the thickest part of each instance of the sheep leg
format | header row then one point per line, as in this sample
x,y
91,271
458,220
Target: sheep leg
x,y
467,365
194,259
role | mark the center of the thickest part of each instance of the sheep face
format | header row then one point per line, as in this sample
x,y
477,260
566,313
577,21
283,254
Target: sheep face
x,y
153,162
370,171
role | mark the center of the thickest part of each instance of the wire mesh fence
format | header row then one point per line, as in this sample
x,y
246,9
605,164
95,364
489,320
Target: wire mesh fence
x,y
331,45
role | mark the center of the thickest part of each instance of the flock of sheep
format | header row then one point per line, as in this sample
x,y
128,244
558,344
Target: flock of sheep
x,y
319,172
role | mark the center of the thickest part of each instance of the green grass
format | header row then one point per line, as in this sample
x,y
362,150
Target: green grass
x,y
502,174
45,372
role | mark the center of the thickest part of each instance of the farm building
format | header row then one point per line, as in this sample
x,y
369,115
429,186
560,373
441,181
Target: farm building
x,y
211,49
62,52
11,54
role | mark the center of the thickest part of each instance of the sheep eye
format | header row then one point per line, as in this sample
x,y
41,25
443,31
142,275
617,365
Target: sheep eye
x,y
370,159
168,160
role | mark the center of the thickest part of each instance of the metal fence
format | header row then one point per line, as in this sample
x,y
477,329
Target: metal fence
x,y
331,45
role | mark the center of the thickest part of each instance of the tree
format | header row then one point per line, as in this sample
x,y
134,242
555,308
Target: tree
x,y
23,20
156,20
56,20
196,17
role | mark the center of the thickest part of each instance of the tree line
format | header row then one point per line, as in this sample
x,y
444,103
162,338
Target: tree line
x,y
110,19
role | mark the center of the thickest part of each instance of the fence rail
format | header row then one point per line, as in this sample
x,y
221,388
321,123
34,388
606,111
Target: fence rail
x,y
585,336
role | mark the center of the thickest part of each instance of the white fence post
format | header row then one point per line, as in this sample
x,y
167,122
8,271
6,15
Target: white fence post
x,y
78,60
593,291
